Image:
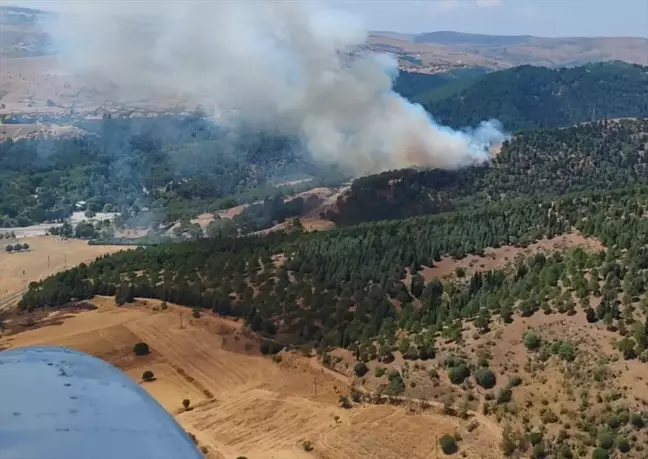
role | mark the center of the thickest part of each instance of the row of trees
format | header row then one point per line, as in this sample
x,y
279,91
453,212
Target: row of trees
x,y
16,247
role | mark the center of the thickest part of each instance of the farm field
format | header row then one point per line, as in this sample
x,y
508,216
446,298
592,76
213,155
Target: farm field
x,y
46,255
244,404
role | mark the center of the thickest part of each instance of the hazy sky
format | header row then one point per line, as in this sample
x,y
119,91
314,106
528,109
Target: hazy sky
x,y
533,17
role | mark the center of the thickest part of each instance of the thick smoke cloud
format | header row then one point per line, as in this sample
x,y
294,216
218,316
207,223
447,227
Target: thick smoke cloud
x,y
288,65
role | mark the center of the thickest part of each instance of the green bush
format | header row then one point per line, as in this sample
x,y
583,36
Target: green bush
x,y
485,378
532,340
606,440
613,421
448,444
637,420
379,371
600,453
535,437
539,451
504,396
622,444
459,373
141,349
360,369
515,381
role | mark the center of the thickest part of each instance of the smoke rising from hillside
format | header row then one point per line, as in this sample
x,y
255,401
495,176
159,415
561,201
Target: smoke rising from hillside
x,y
287,65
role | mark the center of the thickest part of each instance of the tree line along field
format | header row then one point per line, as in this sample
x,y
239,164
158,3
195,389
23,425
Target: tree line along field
x,y
46,255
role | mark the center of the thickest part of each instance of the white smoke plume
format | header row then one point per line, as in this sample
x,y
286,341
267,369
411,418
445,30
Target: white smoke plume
x,y
288,65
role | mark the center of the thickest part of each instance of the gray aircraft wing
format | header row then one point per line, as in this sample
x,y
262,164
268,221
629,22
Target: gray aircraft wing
x,y
56,403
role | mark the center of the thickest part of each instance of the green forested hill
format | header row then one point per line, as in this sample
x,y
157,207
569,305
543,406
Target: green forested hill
x,y
538,163
530,97
412,85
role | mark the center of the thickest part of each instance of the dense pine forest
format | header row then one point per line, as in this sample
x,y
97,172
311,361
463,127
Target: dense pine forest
x,y
528,97
550,162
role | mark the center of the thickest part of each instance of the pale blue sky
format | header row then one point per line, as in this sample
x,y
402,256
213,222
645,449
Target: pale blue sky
x,y
532,17
523,17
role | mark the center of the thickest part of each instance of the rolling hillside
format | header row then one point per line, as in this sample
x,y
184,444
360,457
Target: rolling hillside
x,y
529,97
443,50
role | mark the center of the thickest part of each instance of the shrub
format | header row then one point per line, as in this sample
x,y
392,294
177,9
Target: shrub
x,y
9,248
613,421
307,445
637,420
195,313
515,381
606,440
622,444
535,438
141,349
539,451
186,403
25,246
600,453
148,376
448,444
532,341
459,373
360,369
345,402
380,371
504,396
485,378
164,305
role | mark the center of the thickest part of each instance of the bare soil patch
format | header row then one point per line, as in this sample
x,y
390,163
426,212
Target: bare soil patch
x,y
501,257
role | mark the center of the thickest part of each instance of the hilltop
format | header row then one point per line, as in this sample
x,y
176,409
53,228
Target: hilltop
x,y
441,51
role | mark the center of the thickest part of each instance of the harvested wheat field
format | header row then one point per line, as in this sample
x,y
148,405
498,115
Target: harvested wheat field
x,y
46,256
242,403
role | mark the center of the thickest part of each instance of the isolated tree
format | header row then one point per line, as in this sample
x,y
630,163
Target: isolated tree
x,y
148,376
186,403
141,349
360,369
448,444
532,340
485,378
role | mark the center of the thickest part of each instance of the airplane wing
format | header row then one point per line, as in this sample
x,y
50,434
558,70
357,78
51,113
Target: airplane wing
x,y
56,403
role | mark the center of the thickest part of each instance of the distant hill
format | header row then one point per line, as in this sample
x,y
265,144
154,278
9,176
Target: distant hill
x,y
503,51
528,97
21,35
414,84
